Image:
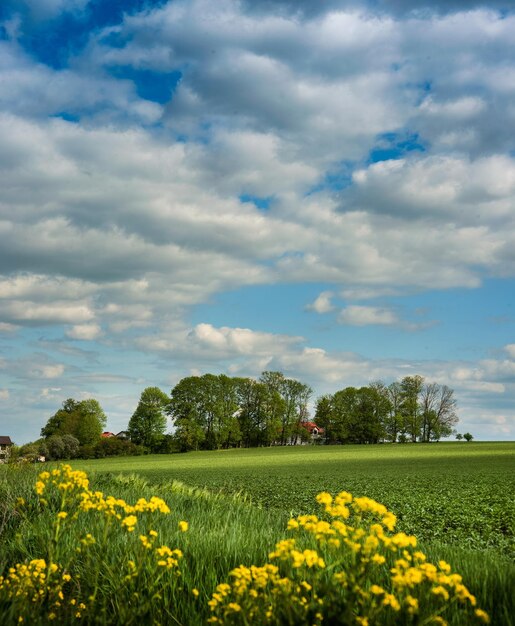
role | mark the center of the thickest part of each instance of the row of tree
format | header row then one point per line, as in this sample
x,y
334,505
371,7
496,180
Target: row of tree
x,y
409,410
210,412
218,411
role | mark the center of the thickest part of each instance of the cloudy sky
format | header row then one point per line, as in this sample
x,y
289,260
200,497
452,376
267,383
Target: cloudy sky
x,y
321,188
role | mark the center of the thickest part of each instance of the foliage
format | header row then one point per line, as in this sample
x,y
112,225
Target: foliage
x,y
83,419
54,587
120,575
110,446
148,423
345,568
409,410
450,493
353,415
468,437
218,412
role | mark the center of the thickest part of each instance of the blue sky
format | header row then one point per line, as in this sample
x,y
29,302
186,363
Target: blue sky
x,y
325,189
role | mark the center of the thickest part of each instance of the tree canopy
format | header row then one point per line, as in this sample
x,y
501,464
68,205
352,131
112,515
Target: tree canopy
x,y
409,410
148,422
84,420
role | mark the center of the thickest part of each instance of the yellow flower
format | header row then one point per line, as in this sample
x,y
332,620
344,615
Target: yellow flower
x,y
379,559
195,592
129,522
324,498
62,515
482,616
440,591
183,526
412,604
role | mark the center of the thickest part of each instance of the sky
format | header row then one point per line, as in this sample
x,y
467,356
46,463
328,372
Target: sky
x,y
325,188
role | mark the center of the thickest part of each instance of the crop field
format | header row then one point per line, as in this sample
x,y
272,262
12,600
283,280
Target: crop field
x,y
456,498
452,493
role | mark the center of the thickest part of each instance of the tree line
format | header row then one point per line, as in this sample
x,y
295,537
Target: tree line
x,y
217,411
409,410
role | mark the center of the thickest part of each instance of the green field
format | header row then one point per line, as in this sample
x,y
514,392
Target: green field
x,y
454,493
457,498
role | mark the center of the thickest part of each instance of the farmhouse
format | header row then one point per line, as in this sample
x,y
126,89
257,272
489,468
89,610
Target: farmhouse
x,y
316,432
5,448
309,433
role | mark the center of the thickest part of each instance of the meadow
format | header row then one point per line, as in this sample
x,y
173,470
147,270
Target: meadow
x,y
456,493
457,498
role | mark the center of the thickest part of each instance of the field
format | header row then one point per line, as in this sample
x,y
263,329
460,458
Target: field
x,y
457,498
455,493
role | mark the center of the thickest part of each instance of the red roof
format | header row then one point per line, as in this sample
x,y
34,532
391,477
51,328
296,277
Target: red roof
x,y
5,440
107,434
310,427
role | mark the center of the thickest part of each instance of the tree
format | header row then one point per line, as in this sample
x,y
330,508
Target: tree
x,y
187,414
323,416
83,419
148,422
411,388
459,436
394,421
468,437
288,403
438,407
71,446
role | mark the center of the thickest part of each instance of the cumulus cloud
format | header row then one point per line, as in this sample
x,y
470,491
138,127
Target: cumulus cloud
x,y
84,331
46,371
116,223
322,304
356,315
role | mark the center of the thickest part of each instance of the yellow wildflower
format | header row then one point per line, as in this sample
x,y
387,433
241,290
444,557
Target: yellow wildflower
x,y
482,616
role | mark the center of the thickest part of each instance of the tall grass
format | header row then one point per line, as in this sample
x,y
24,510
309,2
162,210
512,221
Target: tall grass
x,y
225,531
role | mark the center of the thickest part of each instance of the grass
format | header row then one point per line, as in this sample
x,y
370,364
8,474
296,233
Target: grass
x,y
457,498
454,493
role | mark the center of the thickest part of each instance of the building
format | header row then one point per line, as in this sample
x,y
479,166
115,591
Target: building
x,y
5,448
316,433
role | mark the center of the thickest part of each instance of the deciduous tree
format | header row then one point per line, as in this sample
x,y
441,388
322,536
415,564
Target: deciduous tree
x,y
148,422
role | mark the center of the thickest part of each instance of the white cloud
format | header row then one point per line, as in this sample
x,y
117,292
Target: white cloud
x,y
85,332
357,315
322,304
130,216
46,371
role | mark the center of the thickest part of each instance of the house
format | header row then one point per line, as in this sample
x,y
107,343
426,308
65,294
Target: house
x,y
308,432
107,435
316,432
5,448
